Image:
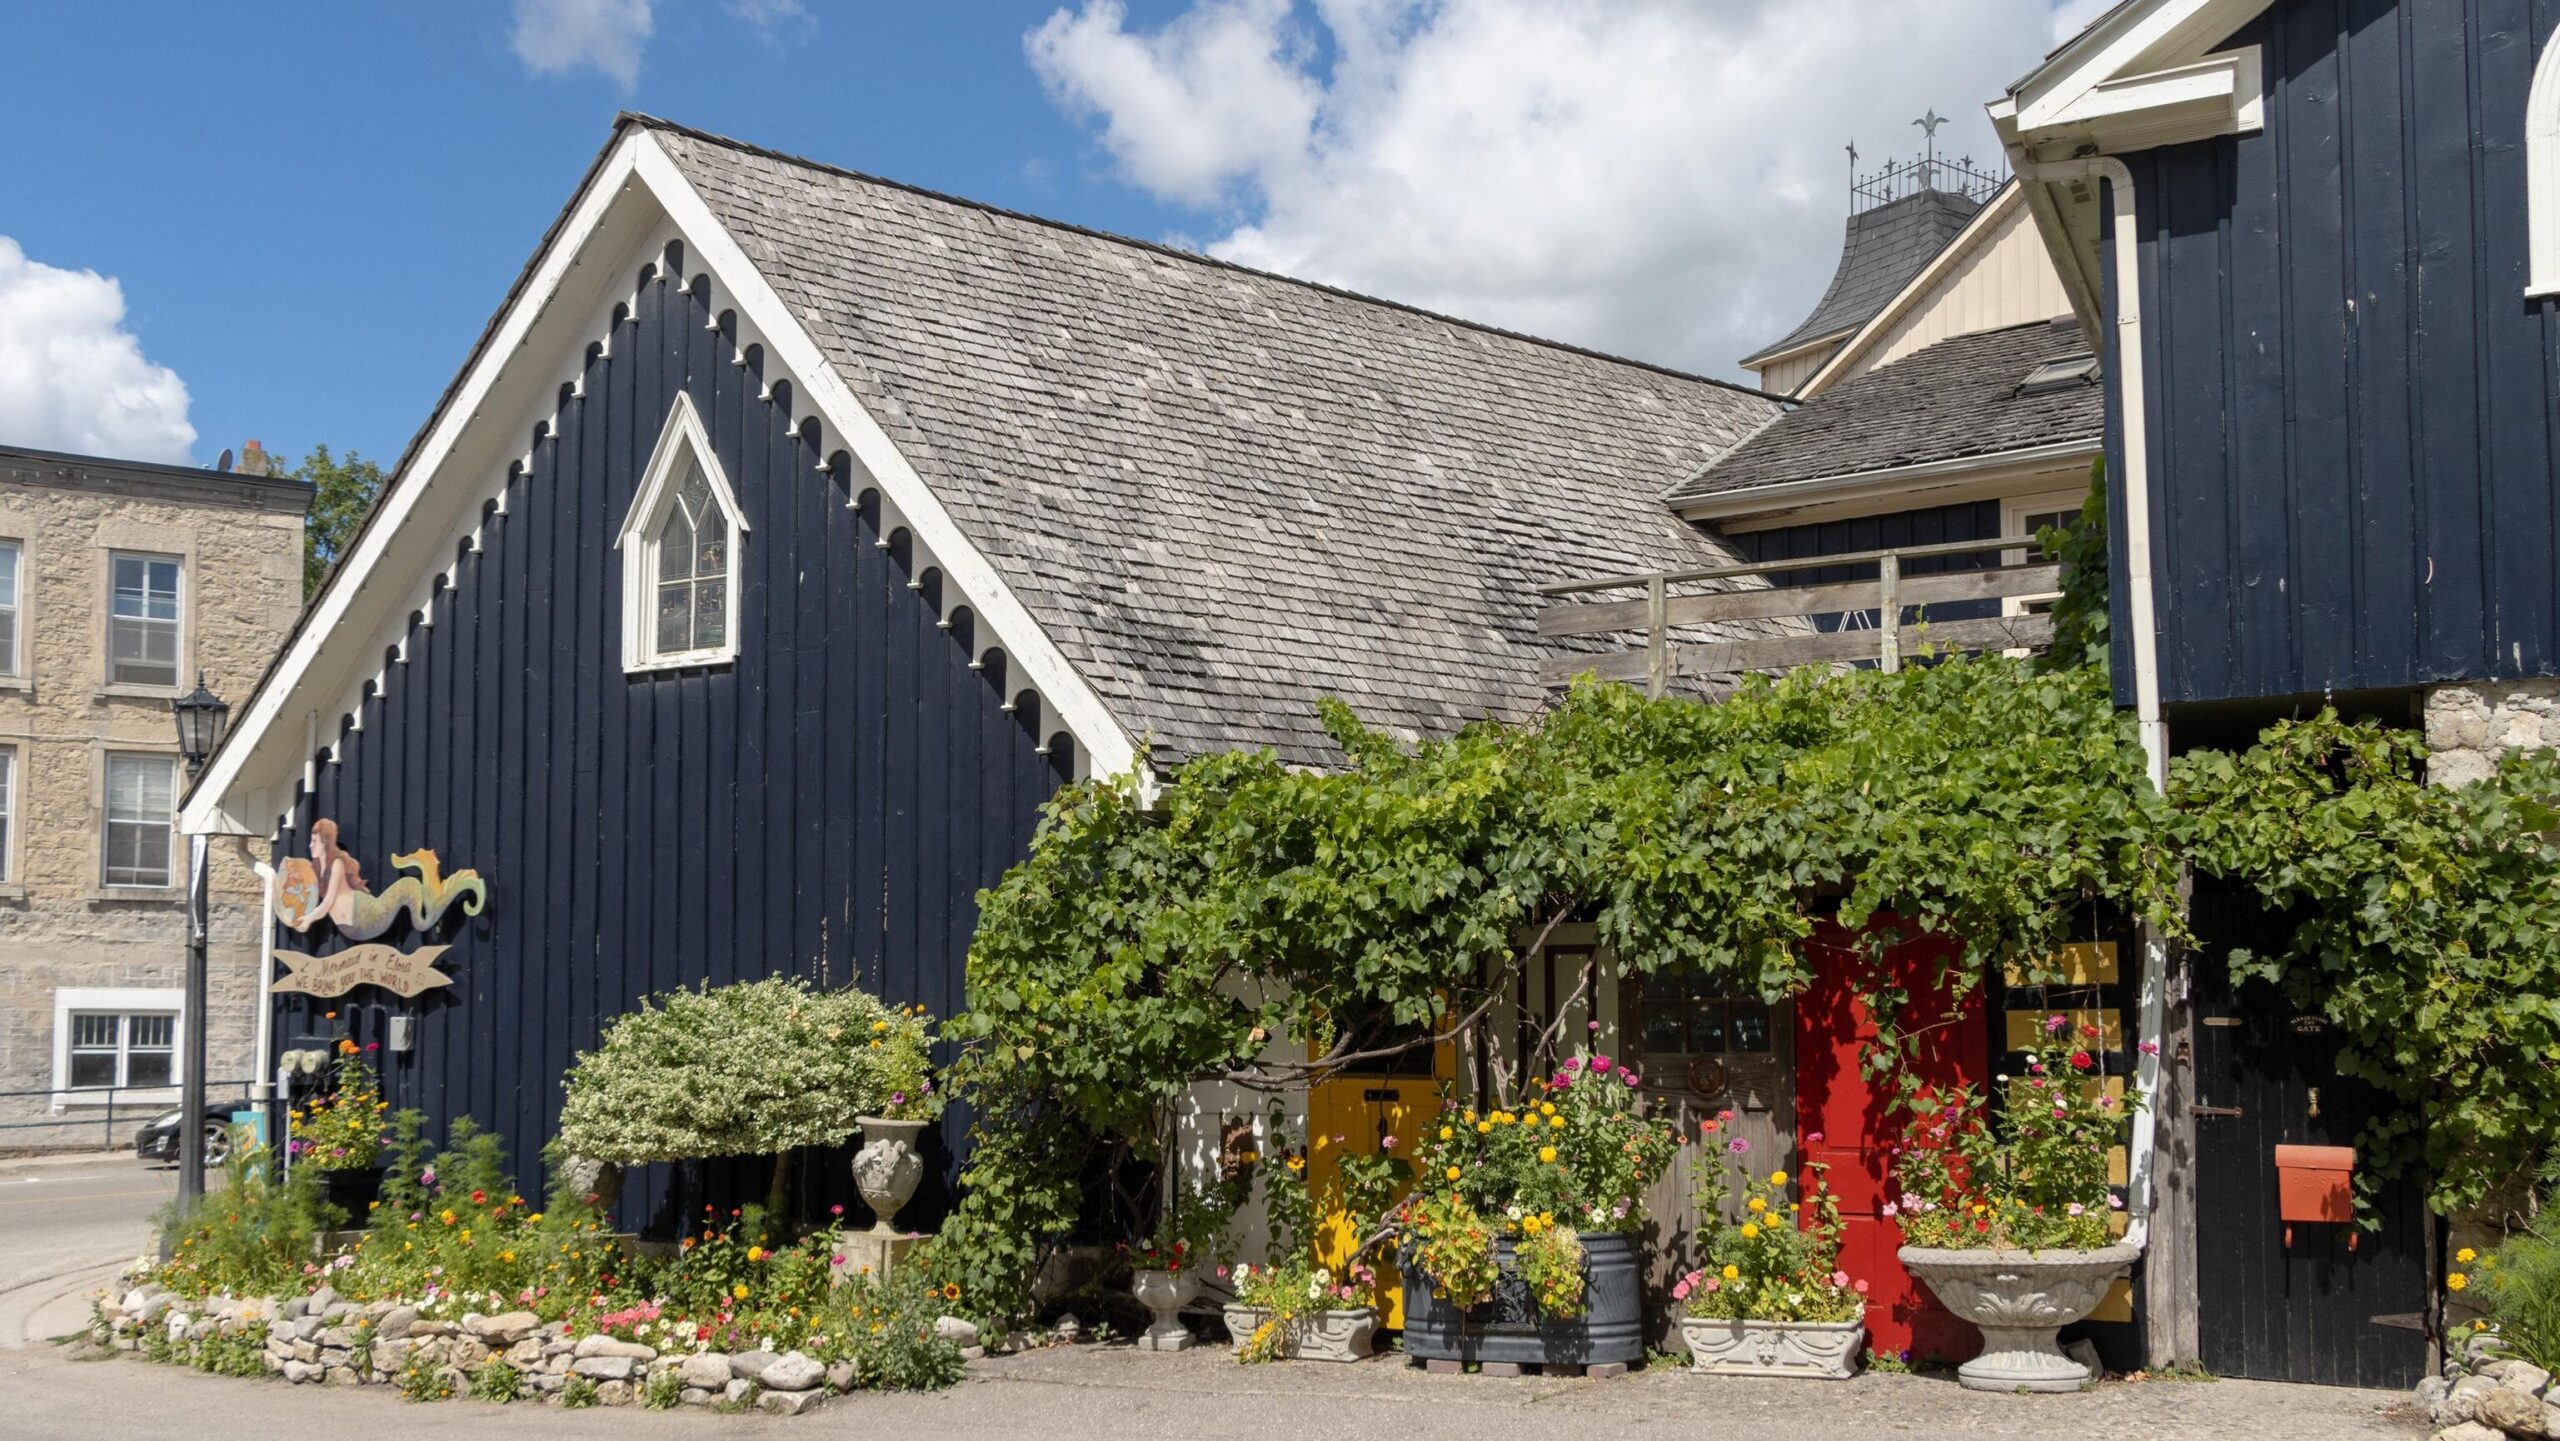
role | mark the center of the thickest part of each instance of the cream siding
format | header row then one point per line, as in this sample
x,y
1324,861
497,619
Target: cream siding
x,y
2005,276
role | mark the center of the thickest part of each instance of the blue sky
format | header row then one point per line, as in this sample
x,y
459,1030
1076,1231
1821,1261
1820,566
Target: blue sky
x,y
311,209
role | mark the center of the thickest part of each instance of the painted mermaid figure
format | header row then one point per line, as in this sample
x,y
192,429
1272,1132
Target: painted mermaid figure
x,y
330,886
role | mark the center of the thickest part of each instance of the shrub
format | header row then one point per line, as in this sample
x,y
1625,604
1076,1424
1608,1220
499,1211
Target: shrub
x,y
579,1394
231,1353
341,1129
885,1327
1767,1258
424,1380
665,1390
2522,1293
250,1236
497,1382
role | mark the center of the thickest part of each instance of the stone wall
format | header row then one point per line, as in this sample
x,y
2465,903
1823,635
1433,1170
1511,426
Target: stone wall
x,y
2469,727
61,927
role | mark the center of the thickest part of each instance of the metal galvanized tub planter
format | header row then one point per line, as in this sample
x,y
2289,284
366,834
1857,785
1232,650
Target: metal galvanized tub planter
x,y
1347,1333
1509,1328
2020,1299
1826,1350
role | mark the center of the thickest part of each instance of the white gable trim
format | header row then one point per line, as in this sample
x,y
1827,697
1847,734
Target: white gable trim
x,y
2542,173
1916,290
2131,40
460,467
682,437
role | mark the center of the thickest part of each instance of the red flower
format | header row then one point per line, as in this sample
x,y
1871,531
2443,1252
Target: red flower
x,y
479,1198
2080,1061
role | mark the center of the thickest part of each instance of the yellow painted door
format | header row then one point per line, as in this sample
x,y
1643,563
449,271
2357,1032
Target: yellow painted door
x,y
1354,1115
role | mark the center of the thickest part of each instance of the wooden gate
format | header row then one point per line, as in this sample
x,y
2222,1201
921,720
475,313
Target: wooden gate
x,y
2313,1302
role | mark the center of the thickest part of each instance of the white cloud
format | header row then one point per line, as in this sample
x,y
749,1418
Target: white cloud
x,y
1662,178
553,37
1219,92
72,377
775,20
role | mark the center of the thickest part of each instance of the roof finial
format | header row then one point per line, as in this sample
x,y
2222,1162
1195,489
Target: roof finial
x,y
1929,123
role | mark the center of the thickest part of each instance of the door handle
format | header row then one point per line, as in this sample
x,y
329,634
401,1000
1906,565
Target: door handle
x,y
1372,1097
2199,1110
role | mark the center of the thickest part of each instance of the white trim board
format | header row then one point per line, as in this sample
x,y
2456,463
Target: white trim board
x,y
433,505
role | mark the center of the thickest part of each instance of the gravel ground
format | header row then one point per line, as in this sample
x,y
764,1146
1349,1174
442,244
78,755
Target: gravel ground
x,y
1111,1393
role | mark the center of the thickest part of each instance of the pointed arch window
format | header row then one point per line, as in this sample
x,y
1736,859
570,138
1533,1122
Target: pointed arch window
x,y
680,555
2542,174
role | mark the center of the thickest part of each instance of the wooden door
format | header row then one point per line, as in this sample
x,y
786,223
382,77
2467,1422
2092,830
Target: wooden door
x,y
1848,1123
1701,1051
1354,1113
2325,1304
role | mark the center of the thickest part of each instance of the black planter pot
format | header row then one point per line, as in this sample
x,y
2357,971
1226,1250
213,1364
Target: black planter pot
x,y
353,1190
1509,1327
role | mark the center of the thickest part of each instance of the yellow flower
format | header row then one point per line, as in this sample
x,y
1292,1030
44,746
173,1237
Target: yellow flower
x,y
1446,1133
1777,1178
1750,1230
2456,1281
1547,1154
1484,1128
1546,1108
1469,1115
739,1290
536,1216
508,1256
1556,1124
1733,1273
447,1218
1297,1163
1453,1173
2466,1255
878,1026
755,1253
1758,1204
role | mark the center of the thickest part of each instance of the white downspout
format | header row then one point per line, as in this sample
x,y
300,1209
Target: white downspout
x,y
2152,1015
266,978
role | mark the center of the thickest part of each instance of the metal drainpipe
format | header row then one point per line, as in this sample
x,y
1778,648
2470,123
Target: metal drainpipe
x,y
2145,640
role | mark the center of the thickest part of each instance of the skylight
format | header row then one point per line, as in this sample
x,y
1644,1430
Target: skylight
x,y
2060,374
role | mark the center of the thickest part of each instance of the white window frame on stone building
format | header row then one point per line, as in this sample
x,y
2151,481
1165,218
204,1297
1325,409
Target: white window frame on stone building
x,y
13,627
137,817
653,575
10,781
133,618
152,1007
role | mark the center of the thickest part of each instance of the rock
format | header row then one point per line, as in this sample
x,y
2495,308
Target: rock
x,y
2481,1347
614,1393
789,1403
2513,1412
842,1376
525,1353
395,1323
338,1311
2470,1431
1069,1330
793,1372
547,1384
2432,1390
956,1331
337,1336
342,1376
698,1396
737,1391
304,1350
133,1300
506,1329
2462,1402
604,1368
749,1365
705,1371
298,1372
323,1298
425,1329
2526,1377
973,1353
151,1309
589,1346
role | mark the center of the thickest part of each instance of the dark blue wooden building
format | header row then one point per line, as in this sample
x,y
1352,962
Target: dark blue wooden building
x,y
791,535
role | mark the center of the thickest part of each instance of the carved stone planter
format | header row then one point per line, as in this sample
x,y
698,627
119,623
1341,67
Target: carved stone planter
x,y
887,1169
2020,1299
1164,1294
1827,1350
1345,1334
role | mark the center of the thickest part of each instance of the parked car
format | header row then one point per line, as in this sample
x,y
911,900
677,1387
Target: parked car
x,y
158,1139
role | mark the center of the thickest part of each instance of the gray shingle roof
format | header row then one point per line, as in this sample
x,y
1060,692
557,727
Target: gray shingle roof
x,y
1224,494
1957,398
1885,247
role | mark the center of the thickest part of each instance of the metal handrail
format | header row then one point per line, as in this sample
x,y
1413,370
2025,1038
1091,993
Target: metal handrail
x,y
105,1117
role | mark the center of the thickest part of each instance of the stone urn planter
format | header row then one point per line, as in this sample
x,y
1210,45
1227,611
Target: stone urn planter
x,y
1347,1333
1826,1350
2020,1299
599,1179
887,1168
1164,1294
1510,1329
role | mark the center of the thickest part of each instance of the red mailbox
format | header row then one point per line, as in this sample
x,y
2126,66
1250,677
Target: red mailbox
x,y
2315,1183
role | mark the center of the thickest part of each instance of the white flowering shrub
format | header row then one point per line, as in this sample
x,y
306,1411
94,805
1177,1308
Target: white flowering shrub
x,y
750,1069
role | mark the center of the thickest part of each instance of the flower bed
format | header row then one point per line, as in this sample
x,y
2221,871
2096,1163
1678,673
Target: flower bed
x,y
1770,1298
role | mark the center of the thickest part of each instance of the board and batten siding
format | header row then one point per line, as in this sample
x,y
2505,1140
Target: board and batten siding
x,y
827,805
2350,404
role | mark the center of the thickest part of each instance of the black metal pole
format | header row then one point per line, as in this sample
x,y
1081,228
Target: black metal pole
x,y
191,1079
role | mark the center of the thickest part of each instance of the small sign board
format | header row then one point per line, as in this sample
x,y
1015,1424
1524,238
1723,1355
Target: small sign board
x,y
404,973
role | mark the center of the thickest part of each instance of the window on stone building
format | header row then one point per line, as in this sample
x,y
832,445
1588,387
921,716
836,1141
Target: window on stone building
x,y
123,1049
9,627
680,555
142,619
1695,1016
8,811
142,794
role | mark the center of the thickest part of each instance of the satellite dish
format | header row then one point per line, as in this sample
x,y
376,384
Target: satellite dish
x,y
224,464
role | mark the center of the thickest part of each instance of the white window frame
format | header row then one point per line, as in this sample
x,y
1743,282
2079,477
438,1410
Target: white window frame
x,y
2542,174
13,604
177,624
682,440
107,823
2014,511
13,785
121,1001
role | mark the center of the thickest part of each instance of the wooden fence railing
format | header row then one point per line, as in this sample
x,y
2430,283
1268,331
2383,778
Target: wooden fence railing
x,y
1899,623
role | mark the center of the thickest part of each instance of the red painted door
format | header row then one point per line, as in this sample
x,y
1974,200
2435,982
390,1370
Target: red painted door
x,y
1842,1119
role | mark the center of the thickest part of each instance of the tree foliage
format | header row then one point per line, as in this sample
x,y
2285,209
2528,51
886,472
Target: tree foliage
x,y
343,491
2080,620
2425,927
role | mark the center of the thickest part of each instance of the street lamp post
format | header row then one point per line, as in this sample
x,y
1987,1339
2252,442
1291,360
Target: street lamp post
x,y
200,719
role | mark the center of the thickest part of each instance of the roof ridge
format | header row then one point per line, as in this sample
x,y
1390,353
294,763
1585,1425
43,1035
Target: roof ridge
x,y
647,121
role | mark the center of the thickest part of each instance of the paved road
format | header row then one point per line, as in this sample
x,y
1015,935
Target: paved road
x,y
66,1224
1113,1394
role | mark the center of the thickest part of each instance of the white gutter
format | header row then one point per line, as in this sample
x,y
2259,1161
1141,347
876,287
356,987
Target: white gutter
x,y
2145,638
266,977
1750,500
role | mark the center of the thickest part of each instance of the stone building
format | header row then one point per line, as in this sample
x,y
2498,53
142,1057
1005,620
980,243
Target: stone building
x,y
120,582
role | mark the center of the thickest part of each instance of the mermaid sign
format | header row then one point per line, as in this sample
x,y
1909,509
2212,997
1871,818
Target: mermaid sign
x,y
330,886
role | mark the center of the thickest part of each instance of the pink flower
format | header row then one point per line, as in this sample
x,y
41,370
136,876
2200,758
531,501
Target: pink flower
x,y
1891,1210
1222,1271
1592,1026
1814,1140
1738,1146
1839,1278
1388,1142
2115,1203
2074,1209
1600,1065
1570,1065
835,1261
2053,1025
1712,1283
1631,1078
2150,1048
1860,1287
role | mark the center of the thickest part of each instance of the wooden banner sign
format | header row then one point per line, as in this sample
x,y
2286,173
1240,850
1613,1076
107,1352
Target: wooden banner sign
x,y
405,973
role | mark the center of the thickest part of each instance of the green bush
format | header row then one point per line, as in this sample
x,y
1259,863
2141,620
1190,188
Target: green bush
x,y
2520,1285
250,1236
665,1390
424,1380
497,1382
579,1394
